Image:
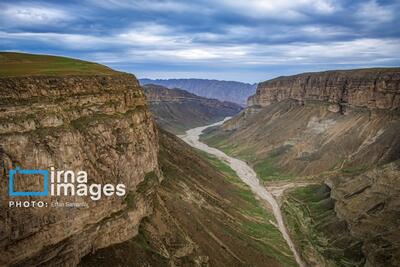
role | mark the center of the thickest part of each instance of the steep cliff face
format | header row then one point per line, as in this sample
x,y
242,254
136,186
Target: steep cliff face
x,y
370,88
96,123
177,110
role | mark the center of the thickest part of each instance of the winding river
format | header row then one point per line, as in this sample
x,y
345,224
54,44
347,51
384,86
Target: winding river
x,y
247,175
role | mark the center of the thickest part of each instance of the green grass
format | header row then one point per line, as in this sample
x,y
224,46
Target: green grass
x,y
264,165
264,236
20,64
267,170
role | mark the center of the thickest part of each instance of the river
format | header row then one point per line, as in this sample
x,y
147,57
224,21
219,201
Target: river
x,y
247,175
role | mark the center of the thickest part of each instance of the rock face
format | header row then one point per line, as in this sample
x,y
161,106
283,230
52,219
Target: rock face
x,y
177,110
236,92
370,203
370,88
96,123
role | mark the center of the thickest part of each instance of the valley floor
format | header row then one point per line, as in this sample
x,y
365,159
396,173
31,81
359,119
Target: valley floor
x,y
248,176
204,215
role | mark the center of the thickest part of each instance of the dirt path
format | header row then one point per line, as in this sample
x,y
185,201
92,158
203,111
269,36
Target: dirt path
x,y
247,175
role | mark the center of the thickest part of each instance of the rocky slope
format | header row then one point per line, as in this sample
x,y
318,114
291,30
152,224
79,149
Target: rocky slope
x,y
322,237
370,203
177,110
93,122
337,126
236,92
204,216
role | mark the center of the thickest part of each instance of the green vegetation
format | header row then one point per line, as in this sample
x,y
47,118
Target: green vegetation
x,y
82,123
356,170
134,252
20,64
130,200
264,235
265,166
321,236
267,170
149,182
218,141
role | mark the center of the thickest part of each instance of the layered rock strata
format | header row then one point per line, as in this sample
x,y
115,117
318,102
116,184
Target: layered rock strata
x,y
369,88
96,123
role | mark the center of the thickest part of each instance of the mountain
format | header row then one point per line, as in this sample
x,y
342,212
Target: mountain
x,y
236,92
177,110
339,130
74,120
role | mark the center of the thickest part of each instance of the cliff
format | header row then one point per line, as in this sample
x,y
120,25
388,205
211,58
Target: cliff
x,y
337,128
236,92
369,88
178,110
98,123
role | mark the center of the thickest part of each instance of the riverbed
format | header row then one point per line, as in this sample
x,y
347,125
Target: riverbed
x,y
247,175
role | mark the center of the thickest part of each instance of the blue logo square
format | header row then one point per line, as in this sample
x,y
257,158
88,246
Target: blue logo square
x,y
45,175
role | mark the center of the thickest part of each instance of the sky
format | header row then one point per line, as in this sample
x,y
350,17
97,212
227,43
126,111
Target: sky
x,y
242,40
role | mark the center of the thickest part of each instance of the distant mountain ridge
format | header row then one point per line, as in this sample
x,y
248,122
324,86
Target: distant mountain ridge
x,y
232,91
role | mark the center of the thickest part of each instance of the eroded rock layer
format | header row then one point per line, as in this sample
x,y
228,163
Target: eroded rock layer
x,y
96,123
370,203
370,88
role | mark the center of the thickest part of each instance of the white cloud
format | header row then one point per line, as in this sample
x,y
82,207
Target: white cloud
x,y
321,31
152,43
284,9
30,14
62,40
151,34
372,14
359,51
146,5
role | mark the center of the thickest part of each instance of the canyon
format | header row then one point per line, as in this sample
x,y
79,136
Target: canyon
x,y
337,128
79,119
324,148
248,176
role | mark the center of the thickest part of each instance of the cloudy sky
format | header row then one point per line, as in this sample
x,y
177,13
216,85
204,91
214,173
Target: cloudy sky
x,y
248,40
